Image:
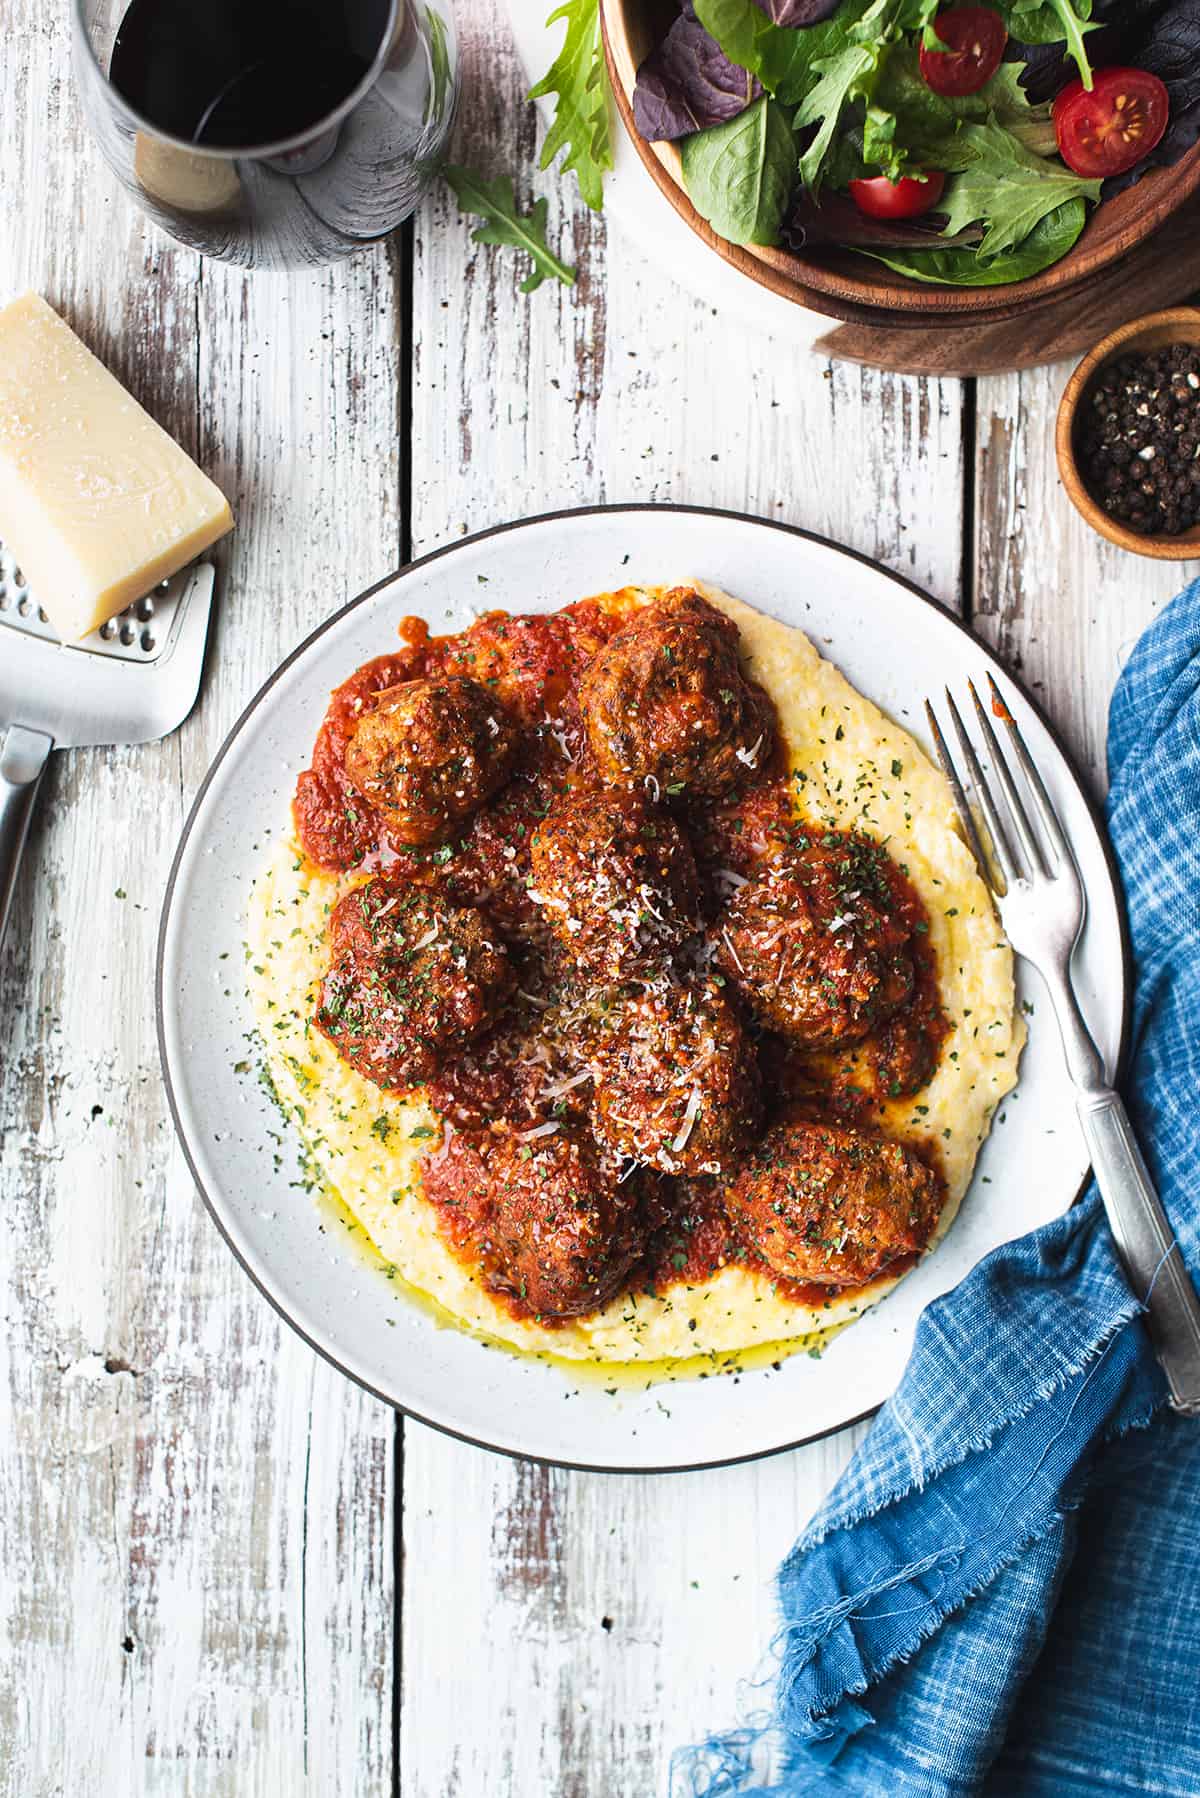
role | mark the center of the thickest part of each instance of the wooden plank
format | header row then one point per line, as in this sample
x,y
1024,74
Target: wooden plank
x,y
195,1514
1059,603
599,1621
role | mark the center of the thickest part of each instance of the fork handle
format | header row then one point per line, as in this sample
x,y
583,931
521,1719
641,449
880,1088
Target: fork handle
x,y
23,757
1146,1244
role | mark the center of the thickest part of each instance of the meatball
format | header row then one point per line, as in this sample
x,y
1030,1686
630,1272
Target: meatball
x,y
898,1059
825,1202
617,881
429,754
814,945
549,1221
530,661
677,1082
490,866
412,978
666,701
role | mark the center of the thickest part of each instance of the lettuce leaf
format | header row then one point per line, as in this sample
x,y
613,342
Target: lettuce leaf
x,y
779,57
927,119
1006,187
849,75
740,175
824,70
851,70
861,107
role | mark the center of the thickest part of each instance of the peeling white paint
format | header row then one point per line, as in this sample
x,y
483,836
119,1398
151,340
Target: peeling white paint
x,y
224,1508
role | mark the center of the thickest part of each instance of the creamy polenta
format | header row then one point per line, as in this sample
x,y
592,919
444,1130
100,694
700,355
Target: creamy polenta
x,y
853,770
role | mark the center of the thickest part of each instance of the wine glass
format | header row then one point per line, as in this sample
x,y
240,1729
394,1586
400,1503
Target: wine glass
x,y
269,133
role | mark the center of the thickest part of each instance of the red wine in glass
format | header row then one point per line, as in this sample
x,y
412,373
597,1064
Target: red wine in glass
x,y
271,132
234,75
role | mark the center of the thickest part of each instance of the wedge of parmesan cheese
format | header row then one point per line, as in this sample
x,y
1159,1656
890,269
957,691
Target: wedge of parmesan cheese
x,y
97,503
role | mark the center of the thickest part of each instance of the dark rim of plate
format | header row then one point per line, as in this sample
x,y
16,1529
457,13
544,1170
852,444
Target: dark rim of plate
x,y
500,530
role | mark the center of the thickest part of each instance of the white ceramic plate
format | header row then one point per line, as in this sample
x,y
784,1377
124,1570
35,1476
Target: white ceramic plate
x,y
895,645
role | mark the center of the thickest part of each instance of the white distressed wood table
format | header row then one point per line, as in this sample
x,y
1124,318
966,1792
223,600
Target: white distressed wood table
x,y
223,1569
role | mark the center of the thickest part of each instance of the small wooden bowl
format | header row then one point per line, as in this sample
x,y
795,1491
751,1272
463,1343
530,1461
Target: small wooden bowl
x,y
1153,332
849,286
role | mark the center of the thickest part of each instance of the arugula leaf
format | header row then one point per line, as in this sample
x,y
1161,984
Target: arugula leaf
x,y
1049,240
849,75
740,175
1007,187
1009,105
580,123
495,203
853,72
879,145
925,123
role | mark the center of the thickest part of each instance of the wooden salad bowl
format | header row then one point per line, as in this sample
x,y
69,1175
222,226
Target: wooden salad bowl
x,y
852,287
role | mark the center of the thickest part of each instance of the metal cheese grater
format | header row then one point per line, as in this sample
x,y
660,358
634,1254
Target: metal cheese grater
x,y
133,680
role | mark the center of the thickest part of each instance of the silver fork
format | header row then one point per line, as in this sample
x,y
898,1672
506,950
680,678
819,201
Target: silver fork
x,y
1041,904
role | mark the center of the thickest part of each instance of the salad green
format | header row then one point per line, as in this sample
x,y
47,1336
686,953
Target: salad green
x,y
504,223
837,96
1005,186
1052,22
578,129
576,79
1049,240
858,87
743,172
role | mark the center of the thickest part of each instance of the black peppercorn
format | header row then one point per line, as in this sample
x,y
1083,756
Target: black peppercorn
x,y
1138,442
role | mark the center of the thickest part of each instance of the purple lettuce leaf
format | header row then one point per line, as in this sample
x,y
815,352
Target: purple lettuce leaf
x,y
688,83
1049,67
1171,50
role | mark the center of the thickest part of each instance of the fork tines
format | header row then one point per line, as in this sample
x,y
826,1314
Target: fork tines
x,y
1020,852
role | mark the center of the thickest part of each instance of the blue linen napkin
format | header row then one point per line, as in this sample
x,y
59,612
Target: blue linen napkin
x,y
1002,1594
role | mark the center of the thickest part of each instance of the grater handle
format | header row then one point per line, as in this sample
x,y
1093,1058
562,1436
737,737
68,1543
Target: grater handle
x,y
23,757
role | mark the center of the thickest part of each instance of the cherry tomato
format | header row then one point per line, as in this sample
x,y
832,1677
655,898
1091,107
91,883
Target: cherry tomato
x,y
880,198
1106,131
976,37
